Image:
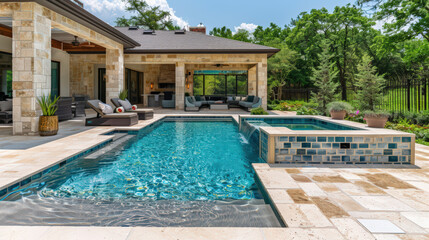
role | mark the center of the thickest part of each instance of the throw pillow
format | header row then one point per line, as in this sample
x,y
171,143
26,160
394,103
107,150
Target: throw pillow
x,y
126,104
250,98
230,99
134,107
120,110
105,108
5,106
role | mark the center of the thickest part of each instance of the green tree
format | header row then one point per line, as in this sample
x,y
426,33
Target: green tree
x,y
221,32
404,19
279,68
370,85
323,78
146,16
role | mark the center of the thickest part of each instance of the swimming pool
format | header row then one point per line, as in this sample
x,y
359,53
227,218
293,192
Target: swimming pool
x,y
179,173
298,124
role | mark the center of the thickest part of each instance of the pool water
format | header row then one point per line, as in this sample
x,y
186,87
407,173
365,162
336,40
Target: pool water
x,y
179,174
297,124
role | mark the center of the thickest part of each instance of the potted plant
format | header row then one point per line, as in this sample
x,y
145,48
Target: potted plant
x,y
339,110
123,94
48,122
376,119
370,93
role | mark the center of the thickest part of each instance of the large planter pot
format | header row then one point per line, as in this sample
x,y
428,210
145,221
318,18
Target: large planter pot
x,y
376,122
48,125
338,115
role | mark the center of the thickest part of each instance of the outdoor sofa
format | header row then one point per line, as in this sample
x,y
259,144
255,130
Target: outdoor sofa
x,y
143,114
251,102
112,119
194,103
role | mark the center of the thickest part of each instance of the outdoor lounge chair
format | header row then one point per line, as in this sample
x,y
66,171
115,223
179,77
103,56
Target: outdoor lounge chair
x,y
251,102
144,114
113,119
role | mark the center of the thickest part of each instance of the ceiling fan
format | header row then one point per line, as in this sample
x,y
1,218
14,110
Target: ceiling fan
x,y
76,43
220,65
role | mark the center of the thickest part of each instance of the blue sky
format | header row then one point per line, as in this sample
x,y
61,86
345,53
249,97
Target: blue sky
x,y
216,13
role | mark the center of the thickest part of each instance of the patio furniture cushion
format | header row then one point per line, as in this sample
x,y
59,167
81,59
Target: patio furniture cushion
x,y
250,99
126,104
122,115
5,106
246,104
120,110
105,108
198,98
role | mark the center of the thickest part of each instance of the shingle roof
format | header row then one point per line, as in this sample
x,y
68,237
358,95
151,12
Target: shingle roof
x,y
190,42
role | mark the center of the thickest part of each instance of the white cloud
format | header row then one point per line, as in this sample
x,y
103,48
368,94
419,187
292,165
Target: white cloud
x,y
115,6
246,26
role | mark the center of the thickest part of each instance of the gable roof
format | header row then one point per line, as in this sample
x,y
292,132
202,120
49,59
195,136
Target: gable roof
x,y
189,42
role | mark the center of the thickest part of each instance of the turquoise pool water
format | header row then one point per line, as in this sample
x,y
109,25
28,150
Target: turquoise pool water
x,y
182,173
297,124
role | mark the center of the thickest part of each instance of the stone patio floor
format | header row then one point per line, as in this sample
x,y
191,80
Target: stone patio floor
x,y
315,202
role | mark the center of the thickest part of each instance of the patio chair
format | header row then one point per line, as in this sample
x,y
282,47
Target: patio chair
x,y
144,114
169,100
64,111
112,119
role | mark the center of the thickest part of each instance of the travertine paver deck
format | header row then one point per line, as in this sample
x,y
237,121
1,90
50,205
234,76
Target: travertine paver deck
x,y
316,203
335,198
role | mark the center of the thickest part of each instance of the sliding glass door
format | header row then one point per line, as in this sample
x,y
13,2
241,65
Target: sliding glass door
x,y
55,79
220,84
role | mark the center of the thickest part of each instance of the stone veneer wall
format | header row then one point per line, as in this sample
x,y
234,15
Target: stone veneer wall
x,y
82,72
344,149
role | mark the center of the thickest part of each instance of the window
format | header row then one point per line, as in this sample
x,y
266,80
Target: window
x,y
55,79
6,74
220,83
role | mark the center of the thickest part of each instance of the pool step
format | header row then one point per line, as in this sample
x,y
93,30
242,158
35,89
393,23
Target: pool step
x,y
117,141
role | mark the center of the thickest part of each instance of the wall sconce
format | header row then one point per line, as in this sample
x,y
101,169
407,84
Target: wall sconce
x,y
187,86
151,85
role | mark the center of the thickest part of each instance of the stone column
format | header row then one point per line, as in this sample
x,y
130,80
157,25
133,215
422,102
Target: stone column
x,y
251,81
114,73
31,54
180,86
261,70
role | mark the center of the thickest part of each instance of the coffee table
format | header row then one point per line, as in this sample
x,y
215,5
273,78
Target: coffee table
x,y
219,106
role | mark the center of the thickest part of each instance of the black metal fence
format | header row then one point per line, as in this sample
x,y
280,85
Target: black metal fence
x,y
400,95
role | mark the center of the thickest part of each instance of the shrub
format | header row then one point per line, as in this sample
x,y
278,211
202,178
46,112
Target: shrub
x,y
339,106
258,111
376,114
307,111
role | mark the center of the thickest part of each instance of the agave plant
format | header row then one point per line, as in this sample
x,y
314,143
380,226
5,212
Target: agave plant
x,y
48,104
123,94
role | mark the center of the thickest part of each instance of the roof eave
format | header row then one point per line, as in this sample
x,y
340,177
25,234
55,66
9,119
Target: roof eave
x,y
269,52
71,10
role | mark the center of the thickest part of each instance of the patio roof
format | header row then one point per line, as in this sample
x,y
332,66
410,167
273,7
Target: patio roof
x,y
73,11
189,42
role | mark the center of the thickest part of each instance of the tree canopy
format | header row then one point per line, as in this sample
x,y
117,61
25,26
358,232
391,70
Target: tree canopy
x,y
149,17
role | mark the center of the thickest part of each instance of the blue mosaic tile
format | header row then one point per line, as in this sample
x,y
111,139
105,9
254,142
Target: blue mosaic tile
x,y
406,152
292,139
397,139
350,152
331,151
284,139
388,152
360,152
382,145
335,158
317,159
326,145
368,152
311,139
3,192
363,145
373,159
13,187
287,145
354,158
316,145
341,151
301,139
406,139
331,139
354,145
393,158
403,145
349,139
297,158
392,146
358,139
25,181
321,139
373,145
300,151
311,152
345,158
403,158
284,151
307,158
340,139
306,145
335,145
36,176
321,151
362,158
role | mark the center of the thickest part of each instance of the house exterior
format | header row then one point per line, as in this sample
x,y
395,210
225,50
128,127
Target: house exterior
x,y
57,46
